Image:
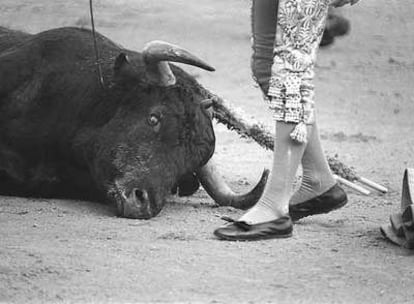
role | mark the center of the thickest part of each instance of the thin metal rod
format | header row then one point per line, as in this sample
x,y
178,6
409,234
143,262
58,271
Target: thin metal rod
x,y
373,185
98,64
352,185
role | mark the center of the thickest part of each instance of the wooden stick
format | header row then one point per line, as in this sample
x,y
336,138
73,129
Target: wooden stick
x,y
372,184
352,185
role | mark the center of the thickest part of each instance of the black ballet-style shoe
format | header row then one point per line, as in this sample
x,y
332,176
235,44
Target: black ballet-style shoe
x,y
242,231
328,201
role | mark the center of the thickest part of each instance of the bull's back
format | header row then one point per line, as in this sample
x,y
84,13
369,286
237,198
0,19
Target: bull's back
x,y
11,38
48,80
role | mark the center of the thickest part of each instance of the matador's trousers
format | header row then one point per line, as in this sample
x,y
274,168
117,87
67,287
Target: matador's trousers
x,y
286,36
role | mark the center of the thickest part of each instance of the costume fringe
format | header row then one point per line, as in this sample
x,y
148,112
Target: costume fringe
x,y
300,133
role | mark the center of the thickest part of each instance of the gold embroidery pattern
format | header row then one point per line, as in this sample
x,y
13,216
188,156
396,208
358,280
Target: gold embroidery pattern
x,y
299,30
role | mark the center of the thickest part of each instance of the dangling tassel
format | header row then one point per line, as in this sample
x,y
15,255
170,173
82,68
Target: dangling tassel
x,y
299,133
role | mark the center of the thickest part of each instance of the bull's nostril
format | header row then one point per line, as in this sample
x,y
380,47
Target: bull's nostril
x,y
139,194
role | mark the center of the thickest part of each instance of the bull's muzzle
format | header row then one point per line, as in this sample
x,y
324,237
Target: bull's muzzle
x,y
137,205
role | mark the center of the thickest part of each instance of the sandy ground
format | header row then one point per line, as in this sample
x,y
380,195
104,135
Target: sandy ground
x,y
76,252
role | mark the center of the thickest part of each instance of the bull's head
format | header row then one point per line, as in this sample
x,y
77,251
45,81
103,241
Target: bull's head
x,y
161,136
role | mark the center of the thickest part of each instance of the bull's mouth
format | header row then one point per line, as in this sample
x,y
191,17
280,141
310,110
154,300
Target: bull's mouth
x,y
136,203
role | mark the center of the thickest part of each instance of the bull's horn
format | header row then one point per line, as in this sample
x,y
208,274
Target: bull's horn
x,y
220,192
157,54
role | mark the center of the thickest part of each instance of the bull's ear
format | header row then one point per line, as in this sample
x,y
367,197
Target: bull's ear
x,y
122,68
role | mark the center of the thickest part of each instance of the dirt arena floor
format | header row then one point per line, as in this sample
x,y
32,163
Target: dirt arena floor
x,y
60,251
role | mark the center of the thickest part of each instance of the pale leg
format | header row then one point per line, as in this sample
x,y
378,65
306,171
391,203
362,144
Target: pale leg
x,y
316,177
286,159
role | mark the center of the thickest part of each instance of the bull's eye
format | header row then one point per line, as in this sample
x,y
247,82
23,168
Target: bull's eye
x,y
153,120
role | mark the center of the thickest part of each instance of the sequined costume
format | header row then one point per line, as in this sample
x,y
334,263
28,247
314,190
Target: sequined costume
x,y
299,26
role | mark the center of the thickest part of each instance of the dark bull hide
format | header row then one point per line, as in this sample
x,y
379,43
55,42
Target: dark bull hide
x,y
146,133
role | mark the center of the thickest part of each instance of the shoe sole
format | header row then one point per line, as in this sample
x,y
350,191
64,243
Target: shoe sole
x,y
262,238
297,217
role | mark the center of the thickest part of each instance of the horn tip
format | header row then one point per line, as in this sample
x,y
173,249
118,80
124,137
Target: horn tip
x,y
265,175
255,194
210,68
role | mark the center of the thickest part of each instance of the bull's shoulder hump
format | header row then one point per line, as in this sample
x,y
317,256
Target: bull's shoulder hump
x,y
8,32
70,44
11,38
73,34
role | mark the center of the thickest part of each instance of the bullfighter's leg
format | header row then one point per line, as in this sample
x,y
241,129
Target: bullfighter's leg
x,y
317,177
291,100
287,156
300,26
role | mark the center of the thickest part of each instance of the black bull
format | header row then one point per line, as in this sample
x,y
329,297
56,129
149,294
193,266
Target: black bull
x,y
143,135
